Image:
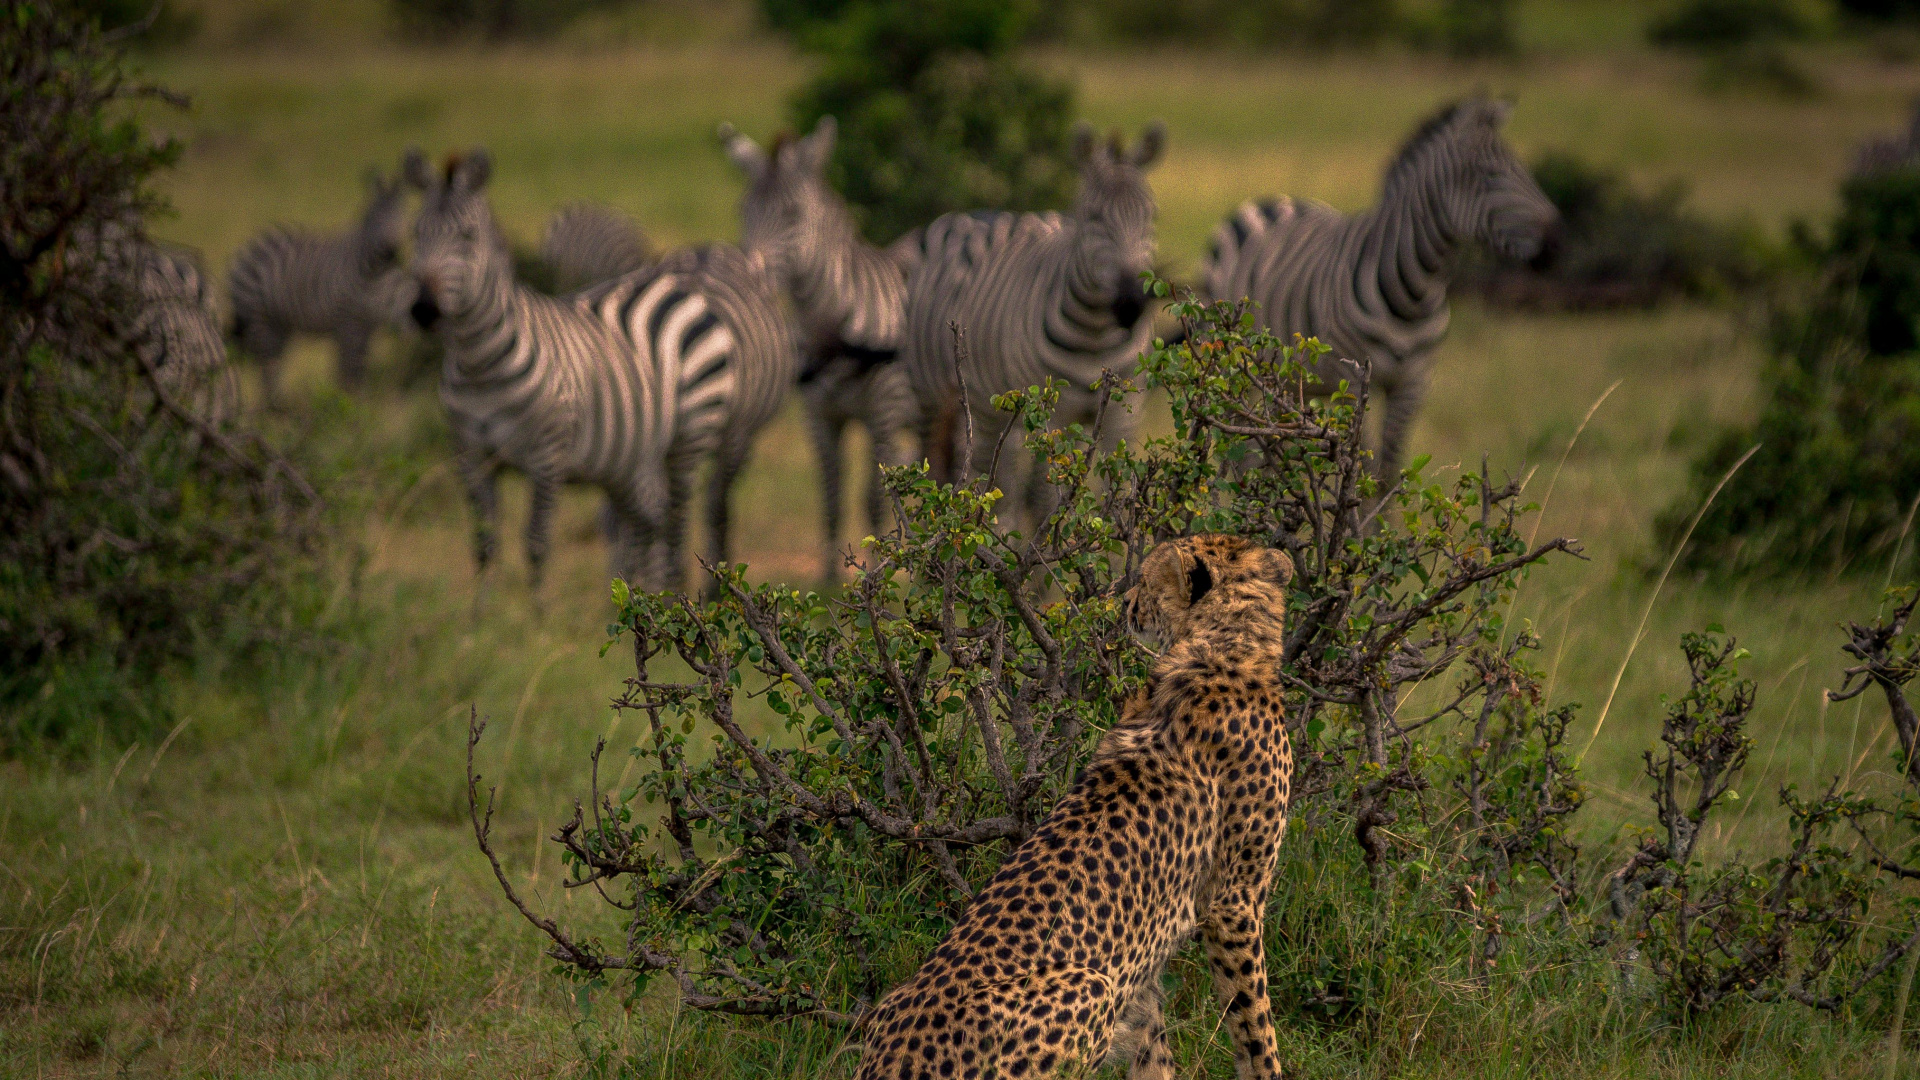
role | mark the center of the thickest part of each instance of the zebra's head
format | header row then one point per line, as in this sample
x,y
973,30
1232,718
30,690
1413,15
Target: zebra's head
x,y
1115,211
1460,160
788,214
459,256
381,223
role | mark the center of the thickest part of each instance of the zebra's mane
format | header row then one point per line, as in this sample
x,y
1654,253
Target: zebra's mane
x,y
1433,129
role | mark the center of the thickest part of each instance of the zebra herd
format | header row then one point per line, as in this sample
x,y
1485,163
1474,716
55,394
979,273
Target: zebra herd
x,y
647,365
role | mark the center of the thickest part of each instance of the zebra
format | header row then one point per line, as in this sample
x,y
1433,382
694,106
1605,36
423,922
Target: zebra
x,y
170,326
176,333
586,244
341,285
1374,287
1038,295
625,385
850,298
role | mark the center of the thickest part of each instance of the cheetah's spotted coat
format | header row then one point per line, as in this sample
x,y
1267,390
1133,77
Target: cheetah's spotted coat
x,y
1173,829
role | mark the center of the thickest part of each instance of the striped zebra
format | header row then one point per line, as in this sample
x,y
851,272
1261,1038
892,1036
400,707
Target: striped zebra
x,y
850,301
177,333
626,386
344,286
171,325
1374,287
1038,296
586,244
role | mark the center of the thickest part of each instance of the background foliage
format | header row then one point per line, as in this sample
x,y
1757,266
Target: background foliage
x,y
936,111
1837,473
134,524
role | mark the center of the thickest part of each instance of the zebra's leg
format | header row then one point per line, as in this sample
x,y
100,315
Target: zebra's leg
x,y
629,542
480,471
1398,412
267,344
546,491
352,342
939,434
889,404
827,426
640,518
727,463
672,549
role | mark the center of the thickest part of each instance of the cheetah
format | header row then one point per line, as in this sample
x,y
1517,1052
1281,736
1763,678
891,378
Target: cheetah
x,y
1172,829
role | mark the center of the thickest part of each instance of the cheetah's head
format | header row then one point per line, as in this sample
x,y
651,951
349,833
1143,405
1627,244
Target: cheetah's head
x,y
1182,579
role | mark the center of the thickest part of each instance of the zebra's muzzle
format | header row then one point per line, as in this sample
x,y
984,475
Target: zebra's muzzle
x,y
1130,303
424,311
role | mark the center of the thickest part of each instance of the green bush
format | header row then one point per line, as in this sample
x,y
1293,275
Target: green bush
x,y
1724,24
825,779
1618,246
1256,24
935,112
160,27
1478,28
136,524
1834,481
1880,10
493,20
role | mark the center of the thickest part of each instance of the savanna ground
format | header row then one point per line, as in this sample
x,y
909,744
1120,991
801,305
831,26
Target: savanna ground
x,y
282,882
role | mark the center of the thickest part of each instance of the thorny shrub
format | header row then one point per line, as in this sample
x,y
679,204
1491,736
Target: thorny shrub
x,y
926,719
827,778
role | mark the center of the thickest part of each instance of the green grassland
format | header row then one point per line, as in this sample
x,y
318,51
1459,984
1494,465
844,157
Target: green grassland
x,y
282,882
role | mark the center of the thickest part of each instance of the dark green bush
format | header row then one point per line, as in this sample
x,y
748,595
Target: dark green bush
x,y
936,114
148,26
1838,469
1260,23
1478,28
135,524
1618,246
824,779
1880,10
1724,24
493,20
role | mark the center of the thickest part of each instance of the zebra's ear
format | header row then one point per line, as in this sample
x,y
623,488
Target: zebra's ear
x,y
1152,141
413,167
1083,143
743,151
472,171
818,147
1498,109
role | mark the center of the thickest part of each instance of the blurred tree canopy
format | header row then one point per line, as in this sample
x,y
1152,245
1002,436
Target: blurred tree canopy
x,y
936,113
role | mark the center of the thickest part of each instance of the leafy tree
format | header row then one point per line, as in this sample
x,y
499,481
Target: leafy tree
x,y
936,113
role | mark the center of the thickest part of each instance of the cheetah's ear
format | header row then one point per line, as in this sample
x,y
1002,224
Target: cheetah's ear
x,y
1274,565
1199,581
